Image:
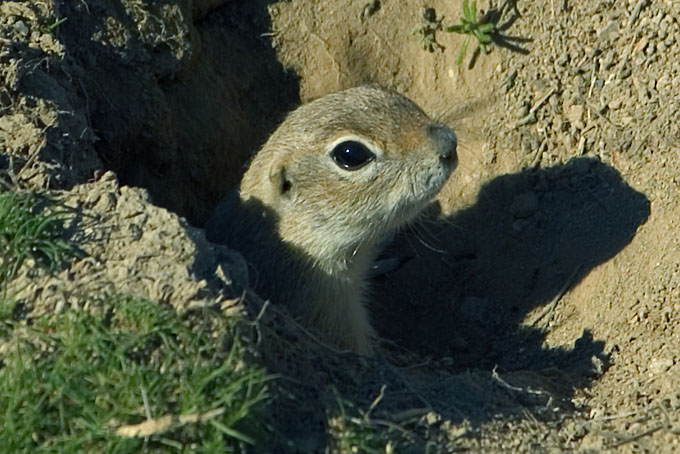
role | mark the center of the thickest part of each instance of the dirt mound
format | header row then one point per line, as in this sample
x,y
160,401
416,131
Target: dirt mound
x,y
171,98
538,305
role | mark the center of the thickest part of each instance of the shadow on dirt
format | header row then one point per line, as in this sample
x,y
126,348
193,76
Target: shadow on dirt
x,y
526,241
453,318
173,99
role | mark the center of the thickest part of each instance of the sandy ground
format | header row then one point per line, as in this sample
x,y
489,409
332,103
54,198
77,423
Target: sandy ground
x,y
540,307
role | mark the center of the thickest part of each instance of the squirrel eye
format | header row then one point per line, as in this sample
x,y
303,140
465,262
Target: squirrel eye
x,y
351,155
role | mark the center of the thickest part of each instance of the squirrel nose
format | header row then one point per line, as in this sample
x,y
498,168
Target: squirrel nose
x,y
446,142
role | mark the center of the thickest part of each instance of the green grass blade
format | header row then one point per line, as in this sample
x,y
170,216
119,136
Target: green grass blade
x,y
457,28
466,10
232,433
463,50
487,28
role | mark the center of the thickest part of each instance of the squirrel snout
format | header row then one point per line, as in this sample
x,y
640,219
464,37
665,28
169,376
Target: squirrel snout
x,y
446,142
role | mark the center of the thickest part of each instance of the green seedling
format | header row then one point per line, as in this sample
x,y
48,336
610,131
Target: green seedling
x,y
427,29
470,27
53,26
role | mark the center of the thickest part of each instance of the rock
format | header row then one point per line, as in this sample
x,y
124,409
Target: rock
x,y
659,365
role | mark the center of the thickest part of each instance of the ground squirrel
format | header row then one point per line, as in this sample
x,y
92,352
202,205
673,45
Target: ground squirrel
x,y
337,177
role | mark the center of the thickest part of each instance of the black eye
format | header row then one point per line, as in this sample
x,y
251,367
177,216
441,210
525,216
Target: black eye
x,y
351,155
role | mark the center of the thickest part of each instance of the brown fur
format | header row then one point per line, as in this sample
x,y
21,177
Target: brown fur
x,y
311,229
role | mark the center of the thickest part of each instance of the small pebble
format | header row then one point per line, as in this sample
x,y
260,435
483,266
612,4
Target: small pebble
x,y
607,61
624,72
663,34
21,28
609,32
563,59
659,365
651,48
574,113
615,103
523,109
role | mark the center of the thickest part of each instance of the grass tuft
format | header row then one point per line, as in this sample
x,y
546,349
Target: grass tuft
x,y
31,227
135,379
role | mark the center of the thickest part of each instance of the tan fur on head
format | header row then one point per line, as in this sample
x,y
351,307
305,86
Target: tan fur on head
x,y
336,177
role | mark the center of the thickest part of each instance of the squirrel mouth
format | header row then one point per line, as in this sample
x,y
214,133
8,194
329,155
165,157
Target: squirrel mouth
x,y
408,210
432,184
437,179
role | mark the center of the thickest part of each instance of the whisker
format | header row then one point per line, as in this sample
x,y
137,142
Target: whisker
x,y
422,227
429,246
465,108
419,231
406,236
468,154
452,224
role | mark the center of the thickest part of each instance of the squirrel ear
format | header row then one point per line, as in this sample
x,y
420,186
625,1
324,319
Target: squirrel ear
x,y
285,184
280,179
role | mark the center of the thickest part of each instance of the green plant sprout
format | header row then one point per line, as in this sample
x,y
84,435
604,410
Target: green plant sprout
x,y
427,29
50,28
470,27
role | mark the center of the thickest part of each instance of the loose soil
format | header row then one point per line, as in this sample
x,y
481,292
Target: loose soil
x,y
538,309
